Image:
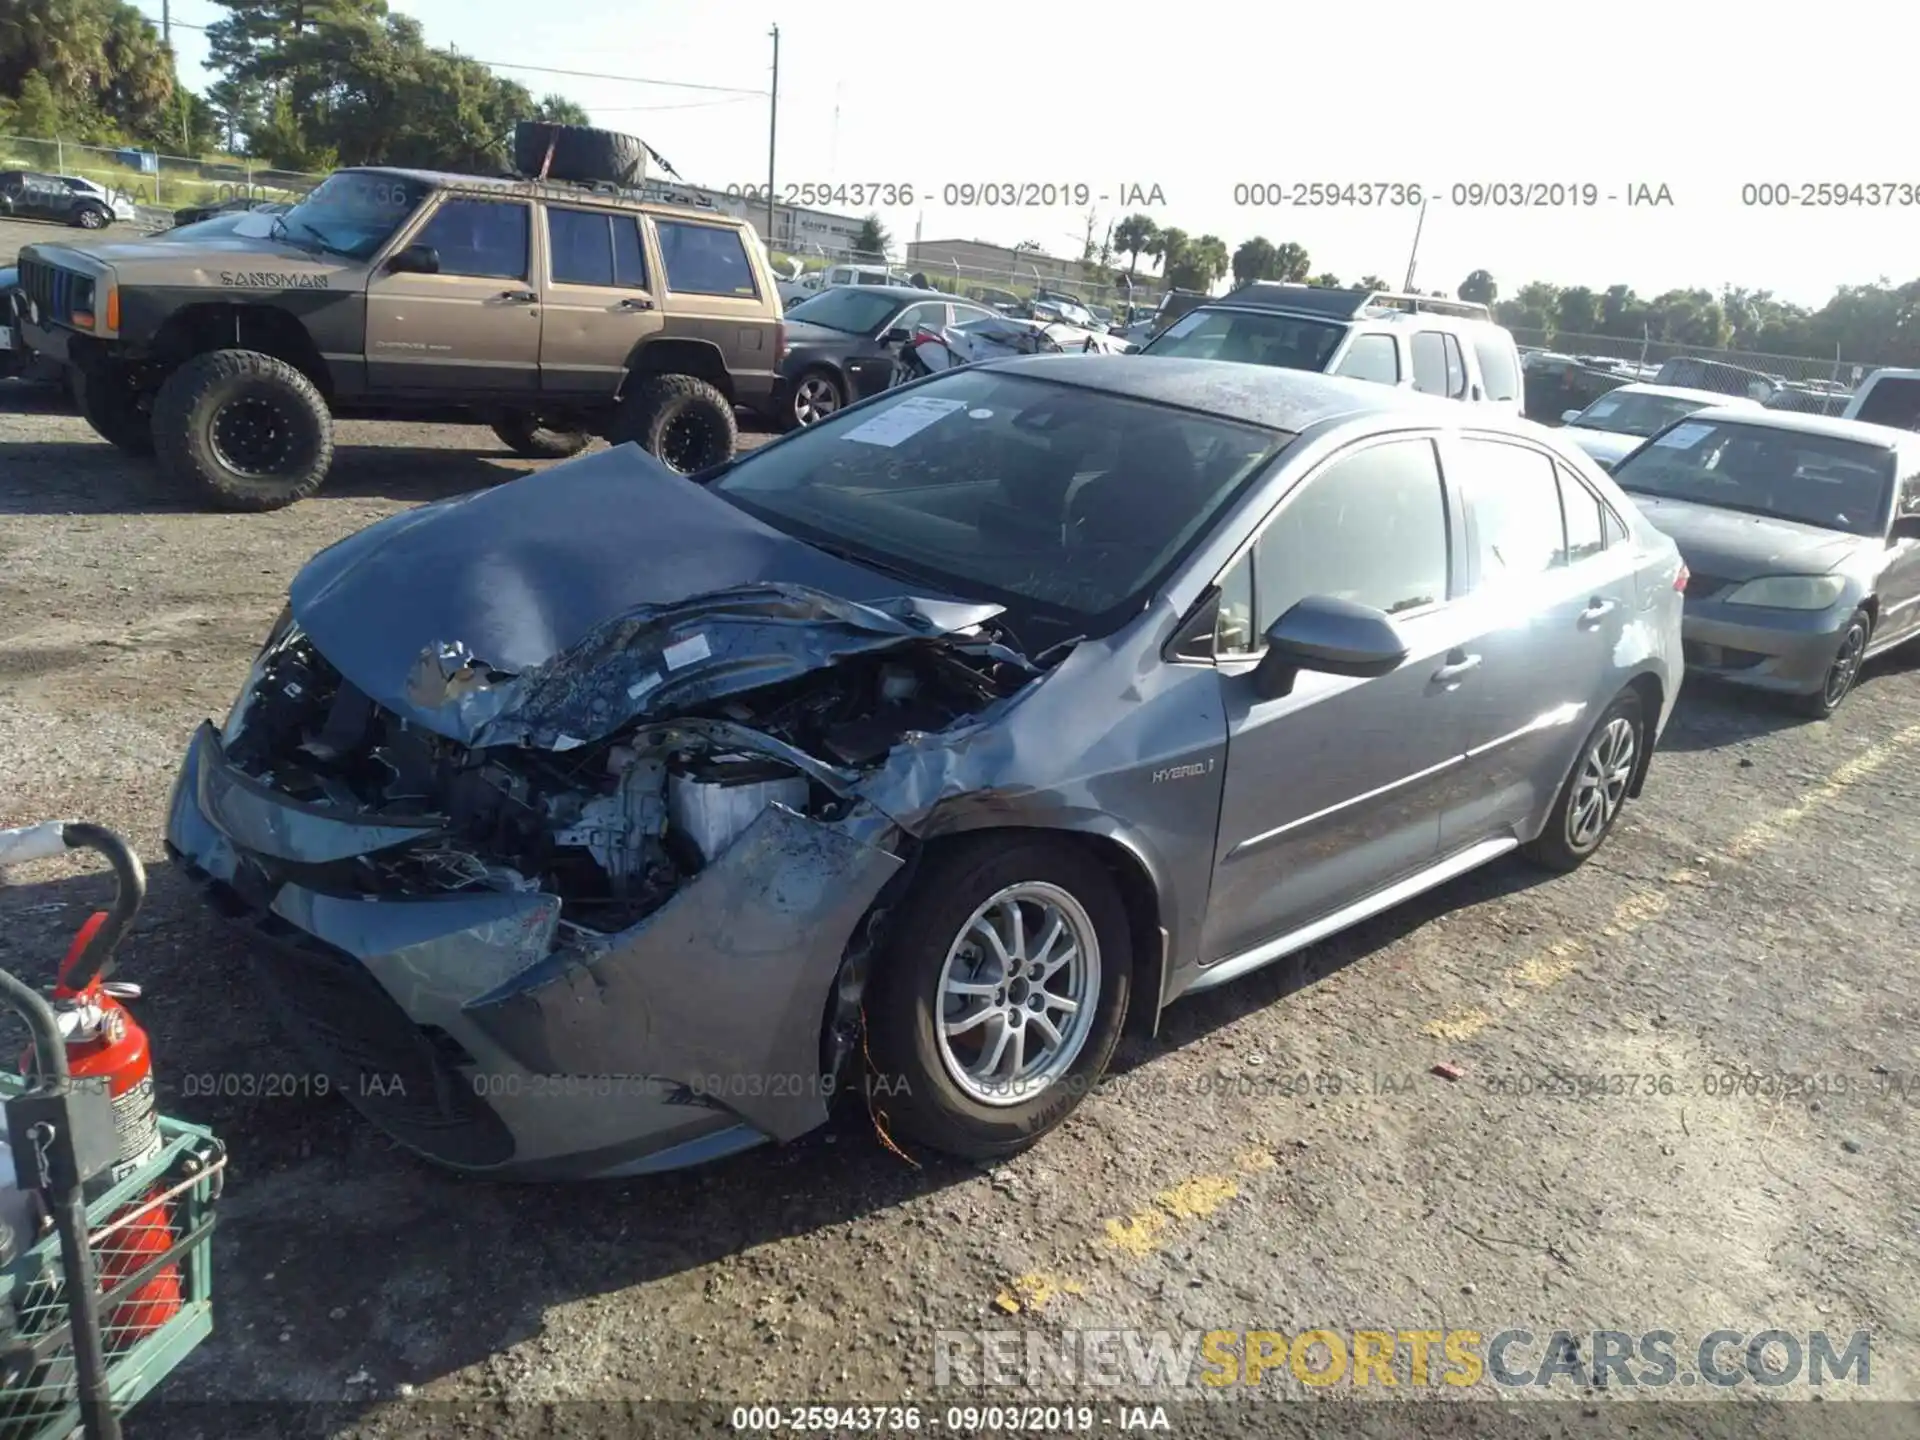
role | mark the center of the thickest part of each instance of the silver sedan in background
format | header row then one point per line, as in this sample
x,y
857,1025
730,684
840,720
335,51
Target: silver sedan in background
x,y
1802,536
1620,421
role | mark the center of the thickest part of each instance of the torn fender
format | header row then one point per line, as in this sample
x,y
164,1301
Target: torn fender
x,y
723,989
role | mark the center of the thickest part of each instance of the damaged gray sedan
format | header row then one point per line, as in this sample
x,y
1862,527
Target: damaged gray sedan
x,y
605,821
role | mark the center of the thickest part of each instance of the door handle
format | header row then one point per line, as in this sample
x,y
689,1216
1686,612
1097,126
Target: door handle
x,y
1597,610
526,297
1455,668
635,304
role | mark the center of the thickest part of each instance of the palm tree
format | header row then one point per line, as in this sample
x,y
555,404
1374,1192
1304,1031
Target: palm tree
x,y
1134,237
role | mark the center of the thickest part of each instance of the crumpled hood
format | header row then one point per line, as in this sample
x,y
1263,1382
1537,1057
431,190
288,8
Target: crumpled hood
x,y
555,609
1733,545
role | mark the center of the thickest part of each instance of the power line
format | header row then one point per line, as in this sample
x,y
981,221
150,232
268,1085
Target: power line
x,y
574,74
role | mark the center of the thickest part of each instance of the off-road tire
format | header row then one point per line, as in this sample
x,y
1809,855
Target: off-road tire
x,y
109,403
1555,847
1822,703
192,400
525,435
656,406
912,1093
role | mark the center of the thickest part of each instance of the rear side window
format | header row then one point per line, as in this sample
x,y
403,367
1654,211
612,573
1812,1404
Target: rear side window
x,y
1513,501
1429,363
1586,518
480,237
582,242
1894,400
1372,357
1499,368
705,260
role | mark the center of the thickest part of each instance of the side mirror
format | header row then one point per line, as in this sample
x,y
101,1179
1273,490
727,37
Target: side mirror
x,y
415,260
1906,527
1567,417
898,335
1333,637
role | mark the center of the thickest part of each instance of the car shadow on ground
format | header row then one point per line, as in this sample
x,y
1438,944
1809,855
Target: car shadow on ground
x,y
1712,715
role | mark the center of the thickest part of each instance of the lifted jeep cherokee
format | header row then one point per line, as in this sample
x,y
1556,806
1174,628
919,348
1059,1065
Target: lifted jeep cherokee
x,y
553,311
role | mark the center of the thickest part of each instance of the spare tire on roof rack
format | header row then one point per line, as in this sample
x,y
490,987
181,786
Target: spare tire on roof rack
x,y
578,154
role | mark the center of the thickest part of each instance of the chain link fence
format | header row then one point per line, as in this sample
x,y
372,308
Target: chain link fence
x,y
158,184
1020,281
1645,358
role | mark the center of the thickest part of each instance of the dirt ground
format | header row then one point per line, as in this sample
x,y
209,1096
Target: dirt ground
x,y
1752,917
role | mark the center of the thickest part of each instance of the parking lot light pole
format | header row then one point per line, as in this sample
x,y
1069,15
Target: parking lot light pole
x,y
1413,256
773,129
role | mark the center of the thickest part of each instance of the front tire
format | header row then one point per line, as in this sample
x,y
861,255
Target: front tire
x,y
111,403
682,421
1596,792
248,431
1845,670
1001,997
526,435
91,217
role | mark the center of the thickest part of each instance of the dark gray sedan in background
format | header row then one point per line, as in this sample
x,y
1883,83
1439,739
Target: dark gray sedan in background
x,y
1802,536
842,344
594,823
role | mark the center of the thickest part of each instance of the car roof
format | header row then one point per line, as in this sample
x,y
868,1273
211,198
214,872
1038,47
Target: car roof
x,y
899,292
543,189
1805,423
1712,398
1264,395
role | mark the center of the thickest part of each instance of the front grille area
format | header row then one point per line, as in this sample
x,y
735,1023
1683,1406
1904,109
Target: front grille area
x,y
56,292
388,1068
1719,657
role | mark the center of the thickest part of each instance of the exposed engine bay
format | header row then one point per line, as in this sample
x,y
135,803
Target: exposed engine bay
x,y
613,827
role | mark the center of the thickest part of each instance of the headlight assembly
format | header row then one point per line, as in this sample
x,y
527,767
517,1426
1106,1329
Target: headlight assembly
x,y
282,631
1790,592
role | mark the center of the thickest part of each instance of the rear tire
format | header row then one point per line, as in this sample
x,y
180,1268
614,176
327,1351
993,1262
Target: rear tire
x,y
682,421
246,430
1596,792
1844,672
915,1085
109,403
525,435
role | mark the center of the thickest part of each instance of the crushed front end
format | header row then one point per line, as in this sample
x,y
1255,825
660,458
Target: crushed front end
x,y
579,958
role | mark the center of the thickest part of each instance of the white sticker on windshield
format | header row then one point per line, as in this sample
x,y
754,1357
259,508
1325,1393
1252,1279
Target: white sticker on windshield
x,y
1684,437
1603,407
979,414
686,652
903,421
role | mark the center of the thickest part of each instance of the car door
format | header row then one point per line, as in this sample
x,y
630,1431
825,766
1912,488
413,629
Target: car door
x,y
1900,579
474,326
599,301
1335,791
1439,368
1554,597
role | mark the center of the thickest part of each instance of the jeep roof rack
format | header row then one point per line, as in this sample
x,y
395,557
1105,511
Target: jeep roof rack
x,y
1331,304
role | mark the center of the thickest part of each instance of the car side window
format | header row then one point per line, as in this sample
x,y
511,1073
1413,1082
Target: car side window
x,y
480,237
582,245
1616,527
964,314
1372,357
1456,368
705,259
1499,370
1429,363
629,254
1513,507
1370,528
1586,518
932,316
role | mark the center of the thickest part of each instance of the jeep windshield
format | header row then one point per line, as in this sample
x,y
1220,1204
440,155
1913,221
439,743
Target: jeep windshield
x,y
1252,337
1066,504
352,212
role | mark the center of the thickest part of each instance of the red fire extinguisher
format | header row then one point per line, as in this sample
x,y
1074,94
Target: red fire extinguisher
x,y
106,1046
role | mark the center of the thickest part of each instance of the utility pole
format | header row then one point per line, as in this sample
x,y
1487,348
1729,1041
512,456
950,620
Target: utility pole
x,y
166,22
1413,256
773,129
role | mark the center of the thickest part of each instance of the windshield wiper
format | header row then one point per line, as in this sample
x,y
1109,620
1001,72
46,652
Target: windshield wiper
x,y
854,557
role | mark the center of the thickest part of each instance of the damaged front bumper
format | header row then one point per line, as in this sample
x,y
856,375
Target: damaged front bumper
x,y
480,1030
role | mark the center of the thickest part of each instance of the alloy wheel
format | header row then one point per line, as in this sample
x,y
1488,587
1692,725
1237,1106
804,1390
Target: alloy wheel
x,y
814,398
1017,994
1846,664
687,442
1606,772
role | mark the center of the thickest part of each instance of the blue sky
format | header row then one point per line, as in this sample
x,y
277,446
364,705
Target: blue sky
x,y
1702,98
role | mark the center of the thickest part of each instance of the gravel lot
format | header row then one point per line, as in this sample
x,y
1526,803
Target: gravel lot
x,y
1752,915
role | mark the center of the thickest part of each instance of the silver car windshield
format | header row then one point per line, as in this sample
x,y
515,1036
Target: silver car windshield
x,y
1636,414
1062,503
1823,480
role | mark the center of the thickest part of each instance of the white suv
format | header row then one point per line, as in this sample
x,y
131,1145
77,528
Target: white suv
x,y
1449,348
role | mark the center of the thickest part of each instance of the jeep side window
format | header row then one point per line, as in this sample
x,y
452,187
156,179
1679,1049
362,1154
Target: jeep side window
x,y
629,254
1372,357
1429,363
705,259
1456,368
480,237
581,242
